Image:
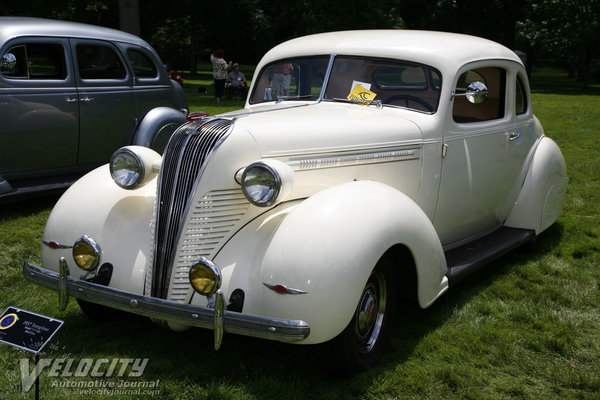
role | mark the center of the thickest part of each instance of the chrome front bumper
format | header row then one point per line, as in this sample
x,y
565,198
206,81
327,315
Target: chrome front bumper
x,y
187,314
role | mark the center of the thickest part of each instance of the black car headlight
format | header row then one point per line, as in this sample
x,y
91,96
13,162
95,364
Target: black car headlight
x,y
133,166
265,182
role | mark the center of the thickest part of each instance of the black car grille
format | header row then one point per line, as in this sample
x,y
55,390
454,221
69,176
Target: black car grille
x,y
183,162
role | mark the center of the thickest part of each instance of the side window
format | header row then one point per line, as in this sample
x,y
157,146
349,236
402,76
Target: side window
x,y
99,62
492,107
37,61
142,65
521,99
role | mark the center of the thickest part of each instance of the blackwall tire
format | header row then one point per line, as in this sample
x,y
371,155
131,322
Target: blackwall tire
x,y
361,344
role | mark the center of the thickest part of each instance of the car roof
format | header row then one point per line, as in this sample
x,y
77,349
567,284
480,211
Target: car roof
x,y
11,27
442,50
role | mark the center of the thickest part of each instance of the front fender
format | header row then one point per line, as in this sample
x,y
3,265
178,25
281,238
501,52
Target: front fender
x,y
157,127
327,246
543,193
117,219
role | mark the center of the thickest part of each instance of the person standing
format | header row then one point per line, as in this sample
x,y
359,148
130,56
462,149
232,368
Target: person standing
x,y
220,67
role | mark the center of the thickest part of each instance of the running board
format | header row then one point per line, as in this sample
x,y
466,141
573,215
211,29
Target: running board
x,y
464,260
28,192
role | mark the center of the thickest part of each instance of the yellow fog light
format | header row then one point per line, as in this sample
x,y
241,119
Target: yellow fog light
x,y
86,253
205,277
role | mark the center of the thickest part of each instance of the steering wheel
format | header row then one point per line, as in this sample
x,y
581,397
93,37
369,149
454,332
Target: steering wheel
x,y
407,98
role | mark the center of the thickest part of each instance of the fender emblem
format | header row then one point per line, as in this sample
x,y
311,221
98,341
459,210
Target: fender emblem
x,y
281,289
54,245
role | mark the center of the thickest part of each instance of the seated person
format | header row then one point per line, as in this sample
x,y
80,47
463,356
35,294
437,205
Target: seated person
x,y
238,81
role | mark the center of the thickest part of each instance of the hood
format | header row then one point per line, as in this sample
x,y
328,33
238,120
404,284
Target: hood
x,y
325,127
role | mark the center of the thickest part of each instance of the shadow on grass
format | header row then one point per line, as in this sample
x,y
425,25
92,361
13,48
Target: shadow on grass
x,y
24,207
413,323
187,362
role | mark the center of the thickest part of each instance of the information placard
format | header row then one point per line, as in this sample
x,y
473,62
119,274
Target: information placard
x,y
27,330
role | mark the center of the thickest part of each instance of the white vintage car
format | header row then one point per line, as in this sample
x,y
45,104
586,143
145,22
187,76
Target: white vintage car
x,y
365,166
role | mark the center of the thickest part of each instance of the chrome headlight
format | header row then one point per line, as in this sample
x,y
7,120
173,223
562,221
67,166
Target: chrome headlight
x,y
132,166
86,253
205,277
264,182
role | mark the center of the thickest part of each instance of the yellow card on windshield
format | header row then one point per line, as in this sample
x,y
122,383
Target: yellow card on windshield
x,y
361,93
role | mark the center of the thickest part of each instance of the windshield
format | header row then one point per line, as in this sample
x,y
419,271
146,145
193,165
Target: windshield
x,y
352,79
291,79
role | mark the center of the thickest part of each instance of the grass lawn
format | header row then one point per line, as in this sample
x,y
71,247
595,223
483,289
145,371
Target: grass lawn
x,y
526,326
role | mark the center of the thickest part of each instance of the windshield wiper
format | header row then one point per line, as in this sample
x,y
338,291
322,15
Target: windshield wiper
x,y
378,103
282,98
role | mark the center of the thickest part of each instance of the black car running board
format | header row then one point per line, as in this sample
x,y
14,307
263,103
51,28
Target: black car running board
x,y
466,259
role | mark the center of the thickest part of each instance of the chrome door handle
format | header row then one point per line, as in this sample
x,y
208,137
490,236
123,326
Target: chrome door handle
x,y
71,100
513,136
86,99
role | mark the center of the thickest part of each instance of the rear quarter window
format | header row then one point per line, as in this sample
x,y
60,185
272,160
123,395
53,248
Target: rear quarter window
x,y
142,65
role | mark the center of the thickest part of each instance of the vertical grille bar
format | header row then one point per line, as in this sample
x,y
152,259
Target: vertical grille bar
x,y
184,158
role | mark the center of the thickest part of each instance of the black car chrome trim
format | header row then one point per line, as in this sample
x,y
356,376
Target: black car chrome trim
x,y
187,314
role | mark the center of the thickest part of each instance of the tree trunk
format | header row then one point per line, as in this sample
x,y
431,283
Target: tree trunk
x,y
129,16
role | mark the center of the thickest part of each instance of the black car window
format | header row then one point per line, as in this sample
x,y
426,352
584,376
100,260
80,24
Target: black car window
x,y
37,61
99,62
492,107
142,65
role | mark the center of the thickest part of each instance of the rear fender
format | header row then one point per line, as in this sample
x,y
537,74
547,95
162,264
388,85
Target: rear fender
x,y
157,127
543,193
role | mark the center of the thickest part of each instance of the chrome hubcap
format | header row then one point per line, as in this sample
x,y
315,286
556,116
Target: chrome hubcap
x,y
370,313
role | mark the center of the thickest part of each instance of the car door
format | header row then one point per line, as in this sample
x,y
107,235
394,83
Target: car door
x,y
106,100
477,172
39,122
152,85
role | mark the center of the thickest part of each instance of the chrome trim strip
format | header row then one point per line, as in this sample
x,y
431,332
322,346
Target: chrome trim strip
x,y
351,159
326,78
187,314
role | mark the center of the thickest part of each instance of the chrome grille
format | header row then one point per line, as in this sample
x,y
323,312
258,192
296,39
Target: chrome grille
x,y
187,151
209,222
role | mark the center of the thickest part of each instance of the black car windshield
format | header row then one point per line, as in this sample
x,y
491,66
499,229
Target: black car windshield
x,y
359,80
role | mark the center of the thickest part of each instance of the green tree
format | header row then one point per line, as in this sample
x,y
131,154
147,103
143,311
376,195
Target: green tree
x,y
567,30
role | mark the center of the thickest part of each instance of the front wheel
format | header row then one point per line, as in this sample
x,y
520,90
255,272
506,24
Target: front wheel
x,y
361,343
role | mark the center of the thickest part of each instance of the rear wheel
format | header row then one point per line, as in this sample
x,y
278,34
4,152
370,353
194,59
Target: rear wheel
x,y
361,344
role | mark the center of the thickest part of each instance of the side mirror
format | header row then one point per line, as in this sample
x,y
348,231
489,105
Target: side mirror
x,y
476,92
8,61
